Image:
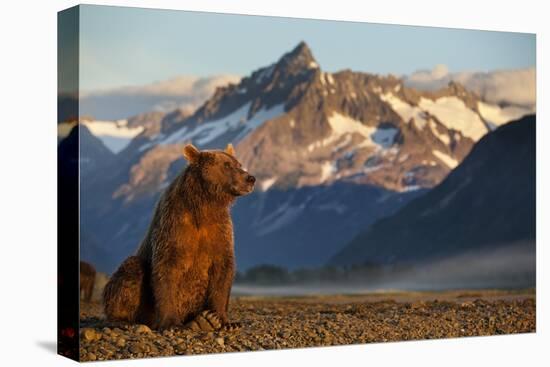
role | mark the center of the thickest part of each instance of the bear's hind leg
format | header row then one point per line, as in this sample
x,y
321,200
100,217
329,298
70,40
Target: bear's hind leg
x,y
125,297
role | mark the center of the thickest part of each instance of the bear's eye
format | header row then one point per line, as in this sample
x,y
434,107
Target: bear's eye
x,y
227,165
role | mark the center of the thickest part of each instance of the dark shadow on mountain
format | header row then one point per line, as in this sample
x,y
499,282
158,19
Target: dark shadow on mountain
x,y
486,203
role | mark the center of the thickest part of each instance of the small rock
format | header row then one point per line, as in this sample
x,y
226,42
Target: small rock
x,y
220,342
121,342
143,329
204,337
89,334
137,348
284,334
91,357
106,352
93,348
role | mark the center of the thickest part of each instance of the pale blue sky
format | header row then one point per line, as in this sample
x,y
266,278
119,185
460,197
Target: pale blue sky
x,y
132,46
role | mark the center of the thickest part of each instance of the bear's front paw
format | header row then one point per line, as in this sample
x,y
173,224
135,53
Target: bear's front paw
x,y
205,321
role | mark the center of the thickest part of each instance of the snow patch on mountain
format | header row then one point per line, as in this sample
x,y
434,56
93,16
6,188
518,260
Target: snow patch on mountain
x,y
327,169
265,73
266,184
342,125
373,167
260,117
411,188
451,111
496,115
448,160
208,131
342,143
318,144
454,114
322,78
115,135
384,136
405,110
441,136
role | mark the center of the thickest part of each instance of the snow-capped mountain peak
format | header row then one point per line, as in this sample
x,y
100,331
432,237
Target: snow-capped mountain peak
x,y
296,125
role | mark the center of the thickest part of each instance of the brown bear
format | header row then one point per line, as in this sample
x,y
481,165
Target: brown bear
x,y
87,280
184,268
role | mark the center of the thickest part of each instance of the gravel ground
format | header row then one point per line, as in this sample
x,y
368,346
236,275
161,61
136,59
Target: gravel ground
x,y
279,322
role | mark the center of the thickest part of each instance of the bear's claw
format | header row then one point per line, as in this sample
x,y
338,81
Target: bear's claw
x,y
232,326
205,321
209,321
212,319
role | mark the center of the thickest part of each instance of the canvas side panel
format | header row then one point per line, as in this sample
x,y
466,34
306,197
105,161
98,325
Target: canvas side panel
x,y
68,183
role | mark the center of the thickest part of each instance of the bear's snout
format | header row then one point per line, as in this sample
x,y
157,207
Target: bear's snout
x,y
250,179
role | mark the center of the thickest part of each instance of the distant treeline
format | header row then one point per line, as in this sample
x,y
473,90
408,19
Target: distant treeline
x,y
277,275
461,272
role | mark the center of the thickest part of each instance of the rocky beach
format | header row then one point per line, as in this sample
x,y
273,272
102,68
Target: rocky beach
x,y
312,321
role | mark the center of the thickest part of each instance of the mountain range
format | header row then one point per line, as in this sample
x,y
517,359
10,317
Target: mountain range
x,y
333,153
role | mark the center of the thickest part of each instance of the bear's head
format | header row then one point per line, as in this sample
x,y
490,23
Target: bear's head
x,y
220,170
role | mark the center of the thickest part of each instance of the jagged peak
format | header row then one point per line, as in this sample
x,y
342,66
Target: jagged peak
x,y
299,57
302,49
294,62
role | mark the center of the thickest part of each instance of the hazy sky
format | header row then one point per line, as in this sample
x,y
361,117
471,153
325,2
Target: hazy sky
x,y
131,46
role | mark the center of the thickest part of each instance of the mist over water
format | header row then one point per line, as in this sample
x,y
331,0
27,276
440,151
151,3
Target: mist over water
x,y
509,267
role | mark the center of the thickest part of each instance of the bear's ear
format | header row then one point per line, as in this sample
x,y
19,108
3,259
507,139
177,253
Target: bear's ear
x,y
191,153
230,150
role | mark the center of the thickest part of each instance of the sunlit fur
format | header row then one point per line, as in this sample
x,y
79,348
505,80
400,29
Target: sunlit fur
x,y
185,264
